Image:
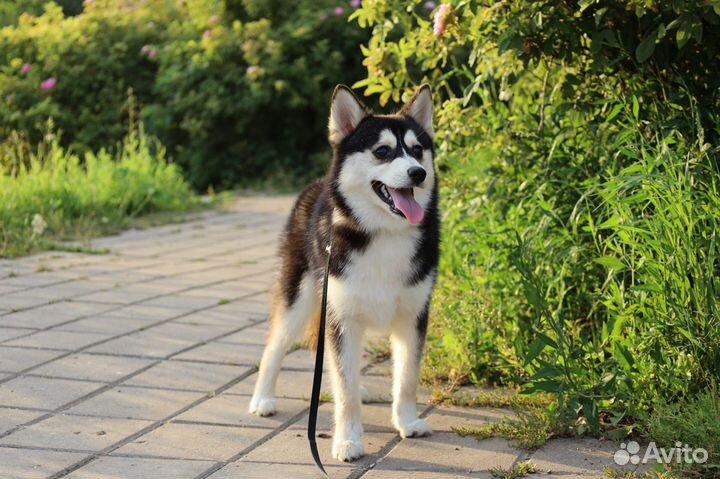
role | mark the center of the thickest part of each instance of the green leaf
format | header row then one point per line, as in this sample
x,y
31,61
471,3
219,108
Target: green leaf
x,y
646,47
611,262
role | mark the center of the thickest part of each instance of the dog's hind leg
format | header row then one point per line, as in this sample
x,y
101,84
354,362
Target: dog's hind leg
x,y
287,326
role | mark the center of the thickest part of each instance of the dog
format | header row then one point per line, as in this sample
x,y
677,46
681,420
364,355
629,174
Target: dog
x,y
379,205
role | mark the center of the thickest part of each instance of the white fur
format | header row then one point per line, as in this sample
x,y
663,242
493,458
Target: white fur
x,y
292,324
421,110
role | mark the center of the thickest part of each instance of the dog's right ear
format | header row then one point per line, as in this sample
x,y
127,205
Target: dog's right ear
x,y
346,113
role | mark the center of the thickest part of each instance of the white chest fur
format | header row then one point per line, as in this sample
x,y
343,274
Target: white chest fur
x,y
374,287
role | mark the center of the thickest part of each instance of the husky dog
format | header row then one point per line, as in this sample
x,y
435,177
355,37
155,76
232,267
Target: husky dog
x,y
378,205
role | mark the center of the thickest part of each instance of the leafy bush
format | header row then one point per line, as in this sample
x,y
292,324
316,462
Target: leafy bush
x,y
234,89
53,189
580,192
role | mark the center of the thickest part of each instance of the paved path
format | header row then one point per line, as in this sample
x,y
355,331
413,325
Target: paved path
x,y
140,363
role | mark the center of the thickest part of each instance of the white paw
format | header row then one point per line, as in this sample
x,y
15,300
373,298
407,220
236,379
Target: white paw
x,y
347,450
263,406
415,428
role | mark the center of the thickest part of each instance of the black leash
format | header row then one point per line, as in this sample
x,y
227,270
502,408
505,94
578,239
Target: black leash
x,y
317,377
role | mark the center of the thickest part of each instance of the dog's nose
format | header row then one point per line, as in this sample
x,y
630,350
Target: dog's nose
x,y
417,174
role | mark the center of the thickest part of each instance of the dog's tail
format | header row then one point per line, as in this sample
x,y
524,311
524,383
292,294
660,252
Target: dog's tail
x,y
311,331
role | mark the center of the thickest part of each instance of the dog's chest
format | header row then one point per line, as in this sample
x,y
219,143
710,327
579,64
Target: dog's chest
x,y
374,285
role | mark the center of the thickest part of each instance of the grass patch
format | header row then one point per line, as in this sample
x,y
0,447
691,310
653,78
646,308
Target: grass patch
x,y
49,194
519,470
528,430
378,350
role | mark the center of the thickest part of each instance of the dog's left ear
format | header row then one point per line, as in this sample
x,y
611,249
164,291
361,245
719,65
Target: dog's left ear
x,y
420,109
346,113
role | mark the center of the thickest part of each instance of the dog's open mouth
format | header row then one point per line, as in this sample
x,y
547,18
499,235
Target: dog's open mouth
x,y
401,201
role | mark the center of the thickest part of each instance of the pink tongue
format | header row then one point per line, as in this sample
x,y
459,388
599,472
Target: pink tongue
x,y
405,202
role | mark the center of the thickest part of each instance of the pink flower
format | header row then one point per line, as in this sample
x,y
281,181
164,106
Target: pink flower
x,y
49,84
252,72
430,5
26,68
214,20
152,54
339,11
356,3
440,18
207,34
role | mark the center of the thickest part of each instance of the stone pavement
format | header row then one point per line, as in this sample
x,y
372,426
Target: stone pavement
x,y
140,364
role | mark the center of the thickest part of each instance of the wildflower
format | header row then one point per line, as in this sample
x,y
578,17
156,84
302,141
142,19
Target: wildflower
x,y
440,19
207,34
430,6
339,11
38,225
252,72
505,95
26,68
356,3
49,84
214,21
152,54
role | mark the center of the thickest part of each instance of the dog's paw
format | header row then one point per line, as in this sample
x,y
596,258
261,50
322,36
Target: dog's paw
x,y
263,406
415,428
347,450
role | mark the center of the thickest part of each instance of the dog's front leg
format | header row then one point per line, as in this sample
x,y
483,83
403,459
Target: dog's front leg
x,y
408,338
345,341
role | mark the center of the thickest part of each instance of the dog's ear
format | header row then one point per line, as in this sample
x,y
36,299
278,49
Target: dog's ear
x,y
420,109
346,113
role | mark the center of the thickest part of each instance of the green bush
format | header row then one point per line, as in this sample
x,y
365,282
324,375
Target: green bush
x,y
236,90
580,193
49,193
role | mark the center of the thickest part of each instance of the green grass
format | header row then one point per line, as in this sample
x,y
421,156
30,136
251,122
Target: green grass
x,y
49,194
522,469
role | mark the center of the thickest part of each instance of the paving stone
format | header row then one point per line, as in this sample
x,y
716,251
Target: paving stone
x,y
58,340
13,360
136,403
10,418
6,334
212,317
248,355
291,447
445,418
253,335
182,303
263,470
187,375
448,451
233,410
53,314
108,324
43,393
576,456
208,442
385,474
375,418
290,384
29,464
157,342
74,432
140,468
120,296
92,367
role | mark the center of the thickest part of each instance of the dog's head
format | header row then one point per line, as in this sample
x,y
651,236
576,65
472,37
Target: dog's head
x,y
383,171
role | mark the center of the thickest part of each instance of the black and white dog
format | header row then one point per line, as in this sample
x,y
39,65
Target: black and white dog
x,y
378,203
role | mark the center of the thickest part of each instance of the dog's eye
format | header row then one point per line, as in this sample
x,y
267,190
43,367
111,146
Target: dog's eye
x,y
417,151
381,152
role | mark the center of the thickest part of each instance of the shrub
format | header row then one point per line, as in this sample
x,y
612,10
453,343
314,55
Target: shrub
x,y
580,192
236,90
